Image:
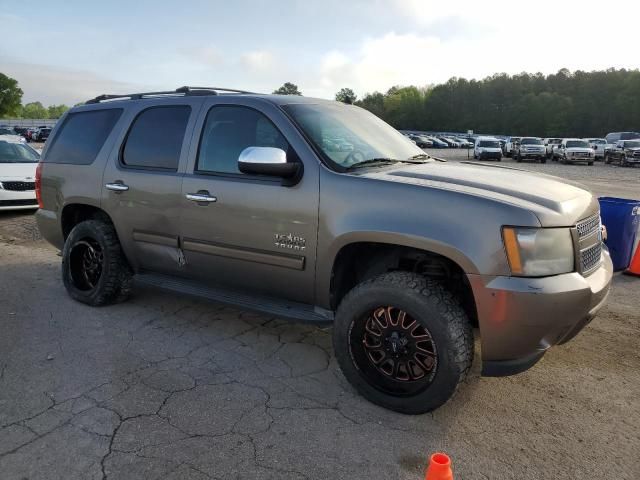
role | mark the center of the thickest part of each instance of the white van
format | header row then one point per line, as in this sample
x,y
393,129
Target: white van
x,y
487,148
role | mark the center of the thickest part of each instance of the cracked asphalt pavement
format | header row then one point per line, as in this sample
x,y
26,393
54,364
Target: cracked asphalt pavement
x,y
167,386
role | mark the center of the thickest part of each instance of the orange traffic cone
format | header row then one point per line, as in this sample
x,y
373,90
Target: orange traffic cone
x,y
634,267
439,468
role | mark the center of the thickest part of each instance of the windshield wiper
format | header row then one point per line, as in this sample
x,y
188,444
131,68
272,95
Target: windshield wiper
x,y
373,161
419,156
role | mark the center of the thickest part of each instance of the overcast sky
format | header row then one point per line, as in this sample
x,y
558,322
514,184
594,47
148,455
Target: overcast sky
x,y
67,52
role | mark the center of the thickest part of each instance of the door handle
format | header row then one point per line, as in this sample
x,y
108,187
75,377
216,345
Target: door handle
x,y
117,187
201,197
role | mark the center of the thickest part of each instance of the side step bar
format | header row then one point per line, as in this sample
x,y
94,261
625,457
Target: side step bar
x,y
258,303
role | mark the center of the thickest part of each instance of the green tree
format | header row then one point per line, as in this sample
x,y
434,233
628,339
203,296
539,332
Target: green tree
x,y
288,88
34,110
563,104
374,102
10,96
56,111
346,95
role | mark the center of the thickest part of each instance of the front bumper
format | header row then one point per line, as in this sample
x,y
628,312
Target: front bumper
x,y
487,155
536,155
18,200
520,318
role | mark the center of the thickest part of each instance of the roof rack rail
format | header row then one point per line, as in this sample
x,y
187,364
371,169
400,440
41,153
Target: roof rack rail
x,y
178,92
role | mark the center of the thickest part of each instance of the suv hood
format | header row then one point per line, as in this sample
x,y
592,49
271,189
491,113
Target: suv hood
x,y
555,201
17,171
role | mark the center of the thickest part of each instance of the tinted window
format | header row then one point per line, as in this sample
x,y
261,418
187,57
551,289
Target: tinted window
x,y
531,141
155,138
629,135
17,153
489,144
228,131
82,136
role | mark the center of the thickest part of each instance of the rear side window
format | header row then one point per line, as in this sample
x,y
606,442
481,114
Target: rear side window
x,y
155,138
82,136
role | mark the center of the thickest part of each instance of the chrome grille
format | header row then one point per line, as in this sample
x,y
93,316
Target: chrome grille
x,y
588,226
590,258
19,186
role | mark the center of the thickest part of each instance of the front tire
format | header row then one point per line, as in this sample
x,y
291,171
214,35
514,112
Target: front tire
x,y
94,268
403,341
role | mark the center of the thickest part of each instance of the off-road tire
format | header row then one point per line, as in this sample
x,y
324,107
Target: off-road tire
x,y
115,282
433,307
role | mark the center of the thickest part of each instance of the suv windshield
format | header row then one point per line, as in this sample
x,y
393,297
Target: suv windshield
x,y
347,135
577,144
489,144
17,153
531,141
635,144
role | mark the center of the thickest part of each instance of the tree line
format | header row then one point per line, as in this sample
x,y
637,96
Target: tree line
x,y
563,104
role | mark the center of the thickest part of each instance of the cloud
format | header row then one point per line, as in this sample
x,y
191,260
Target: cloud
x,y
205,55
258,60
55,85
381,62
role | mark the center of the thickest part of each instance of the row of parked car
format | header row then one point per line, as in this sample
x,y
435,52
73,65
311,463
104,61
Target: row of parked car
x,y
30,134
618,147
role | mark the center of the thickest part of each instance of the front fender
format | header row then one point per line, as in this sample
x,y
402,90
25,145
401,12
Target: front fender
x,y
463,228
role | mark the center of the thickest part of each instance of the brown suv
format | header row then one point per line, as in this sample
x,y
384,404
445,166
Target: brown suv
x,y
320,211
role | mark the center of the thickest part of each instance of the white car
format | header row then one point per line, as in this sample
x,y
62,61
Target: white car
x,y
10,133
573,150
599,145
18,162
464,143
487,148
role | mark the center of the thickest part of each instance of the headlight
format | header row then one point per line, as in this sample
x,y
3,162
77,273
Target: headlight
x,y
538,252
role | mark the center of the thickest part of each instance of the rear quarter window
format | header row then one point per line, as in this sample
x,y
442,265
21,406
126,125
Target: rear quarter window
x,y
81,136
155,138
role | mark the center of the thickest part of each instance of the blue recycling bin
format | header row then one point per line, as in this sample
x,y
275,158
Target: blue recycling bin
x,y
621,217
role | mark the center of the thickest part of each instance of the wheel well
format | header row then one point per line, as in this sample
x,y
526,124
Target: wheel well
x,y
75,213
360,261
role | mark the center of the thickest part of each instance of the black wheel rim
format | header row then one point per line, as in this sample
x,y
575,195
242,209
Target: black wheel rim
x,y
85,264
395,353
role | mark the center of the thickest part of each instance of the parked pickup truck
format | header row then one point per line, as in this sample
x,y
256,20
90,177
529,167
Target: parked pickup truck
x,y
573,150
549,144
530,148
599,146
510,146
626,153
235,197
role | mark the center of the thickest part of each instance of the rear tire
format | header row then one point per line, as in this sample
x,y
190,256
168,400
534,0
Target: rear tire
x,y
414,365
94,268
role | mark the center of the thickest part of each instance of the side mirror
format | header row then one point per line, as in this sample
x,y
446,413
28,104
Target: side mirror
x,y
267,161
